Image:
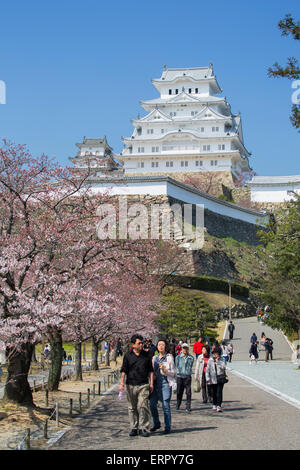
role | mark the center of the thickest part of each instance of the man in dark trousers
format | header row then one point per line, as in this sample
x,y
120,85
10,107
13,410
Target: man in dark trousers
x,y
231,329
138,369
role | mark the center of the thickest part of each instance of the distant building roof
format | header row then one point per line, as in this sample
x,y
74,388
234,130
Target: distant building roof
x,y
197,73
273,180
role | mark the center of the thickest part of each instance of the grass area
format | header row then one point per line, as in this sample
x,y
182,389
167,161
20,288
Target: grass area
x,y
215,299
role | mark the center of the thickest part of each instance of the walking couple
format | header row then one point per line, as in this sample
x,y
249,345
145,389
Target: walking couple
x,y
152,379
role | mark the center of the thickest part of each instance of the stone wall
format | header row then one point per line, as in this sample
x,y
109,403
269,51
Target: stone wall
x,y
219,177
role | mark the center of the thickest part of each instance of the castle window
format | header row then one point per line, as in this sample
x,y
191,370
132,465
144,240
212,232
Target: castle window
x,y
206,148
190,90
162,131
141,149
141,164
150,131
169,164
170,92
154,164
221,147
196,90
176,91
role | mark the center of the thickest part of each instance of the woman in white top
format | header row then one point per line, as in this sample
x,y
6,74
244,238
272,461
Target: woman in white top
x,y
164,379
224,353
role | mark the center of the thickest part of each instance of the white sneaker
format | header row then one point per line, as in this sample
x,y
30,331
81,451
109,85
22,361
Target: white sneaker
x,y
214,407
219,409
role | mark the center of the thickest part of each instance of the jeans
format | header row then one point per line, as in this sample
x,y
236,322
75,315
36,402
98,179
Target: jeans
x,y
184,383
162,392
206,390
217,391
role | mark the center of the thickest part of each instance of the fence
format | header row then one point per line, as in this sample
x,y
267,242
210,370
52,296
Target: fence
x,y
83,404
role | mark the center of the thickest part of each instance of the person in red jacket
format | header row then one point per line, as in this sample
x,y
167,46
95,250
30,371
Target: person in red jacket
x,y
197,349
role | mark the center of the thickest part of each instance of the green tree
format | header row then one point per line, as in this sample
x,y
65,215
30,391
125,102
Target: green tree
x,y
289,26
282,255
185,316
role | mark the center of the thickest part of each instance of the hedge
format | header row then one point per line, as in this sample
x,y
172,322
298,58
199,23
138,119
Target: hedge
x,y
209,283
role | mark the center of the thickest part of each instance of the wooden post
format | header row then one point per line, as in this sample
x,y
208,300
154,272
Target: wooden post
x,y
56,415
94,391
46,429
88,397
71,407
80,402
47,397
27,439
99,388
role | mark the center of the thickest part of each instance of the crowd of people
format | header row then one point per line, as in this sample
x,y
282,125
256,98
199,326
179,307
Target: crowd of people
x,y
265,343
154,372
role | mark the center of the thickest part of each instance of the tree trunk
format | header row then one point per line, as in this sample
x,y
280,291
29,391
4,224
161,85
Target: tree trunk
x,y
56,361
17,388
107,358
78,368
33,355
95,348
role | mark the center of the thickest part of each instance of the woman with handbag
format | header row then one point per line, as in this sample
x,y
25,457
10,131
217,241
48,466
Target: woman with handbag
x,y
200,371
216,378
164,383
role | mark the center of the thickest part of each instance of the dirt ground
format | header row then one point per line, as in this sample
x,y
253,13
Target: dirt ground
x,y
15,419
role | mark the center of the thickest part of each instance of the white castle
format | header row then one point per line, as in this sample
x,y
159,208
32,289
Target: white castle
x,y
187,129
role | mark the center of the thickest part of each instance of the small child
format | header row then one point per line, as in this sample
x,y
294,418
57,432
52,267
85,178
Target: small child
x,y
230,351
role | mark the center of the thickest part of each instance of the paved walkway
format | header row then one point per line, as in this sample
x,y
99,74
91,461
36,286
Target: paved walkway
x,y
252,418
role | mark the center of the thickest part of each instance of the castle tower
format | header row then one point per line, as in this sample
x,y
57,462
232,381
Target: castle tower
x,y
97,156
188,130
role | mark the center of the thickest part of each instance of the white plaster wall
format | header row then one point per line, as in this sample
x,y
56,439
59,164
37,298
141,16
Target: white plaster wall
x,y
160,188
272,194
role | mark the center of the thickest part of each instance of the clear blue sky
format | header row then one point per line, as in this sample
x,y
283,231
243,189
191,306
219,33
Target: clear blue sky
x,y
79,68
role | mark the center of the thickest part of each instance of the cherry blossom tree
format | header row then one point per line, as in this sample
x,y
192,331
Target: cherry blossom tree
x,y
49,252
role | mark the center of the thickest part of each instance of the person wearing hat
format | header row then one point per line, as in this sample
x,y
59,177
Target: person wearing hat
x,y
184,364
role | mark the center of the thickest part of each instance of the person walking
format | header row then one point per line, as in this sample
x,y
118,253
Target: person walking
x,y
197,349
164,379
138,369
184,364
119,350
224,353
217,346
270,342
253,352
253,338
172,348
231,329
179,348
200,371
268,349
216,378
230,351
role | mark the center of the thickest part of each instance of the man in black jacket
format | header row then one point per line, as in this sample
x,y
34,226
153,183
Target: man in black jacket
x,y
138,369
231,329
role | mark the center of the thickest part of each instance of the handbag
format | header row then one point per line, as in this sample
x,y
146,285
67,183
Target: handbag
x,y
221,379
197,387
